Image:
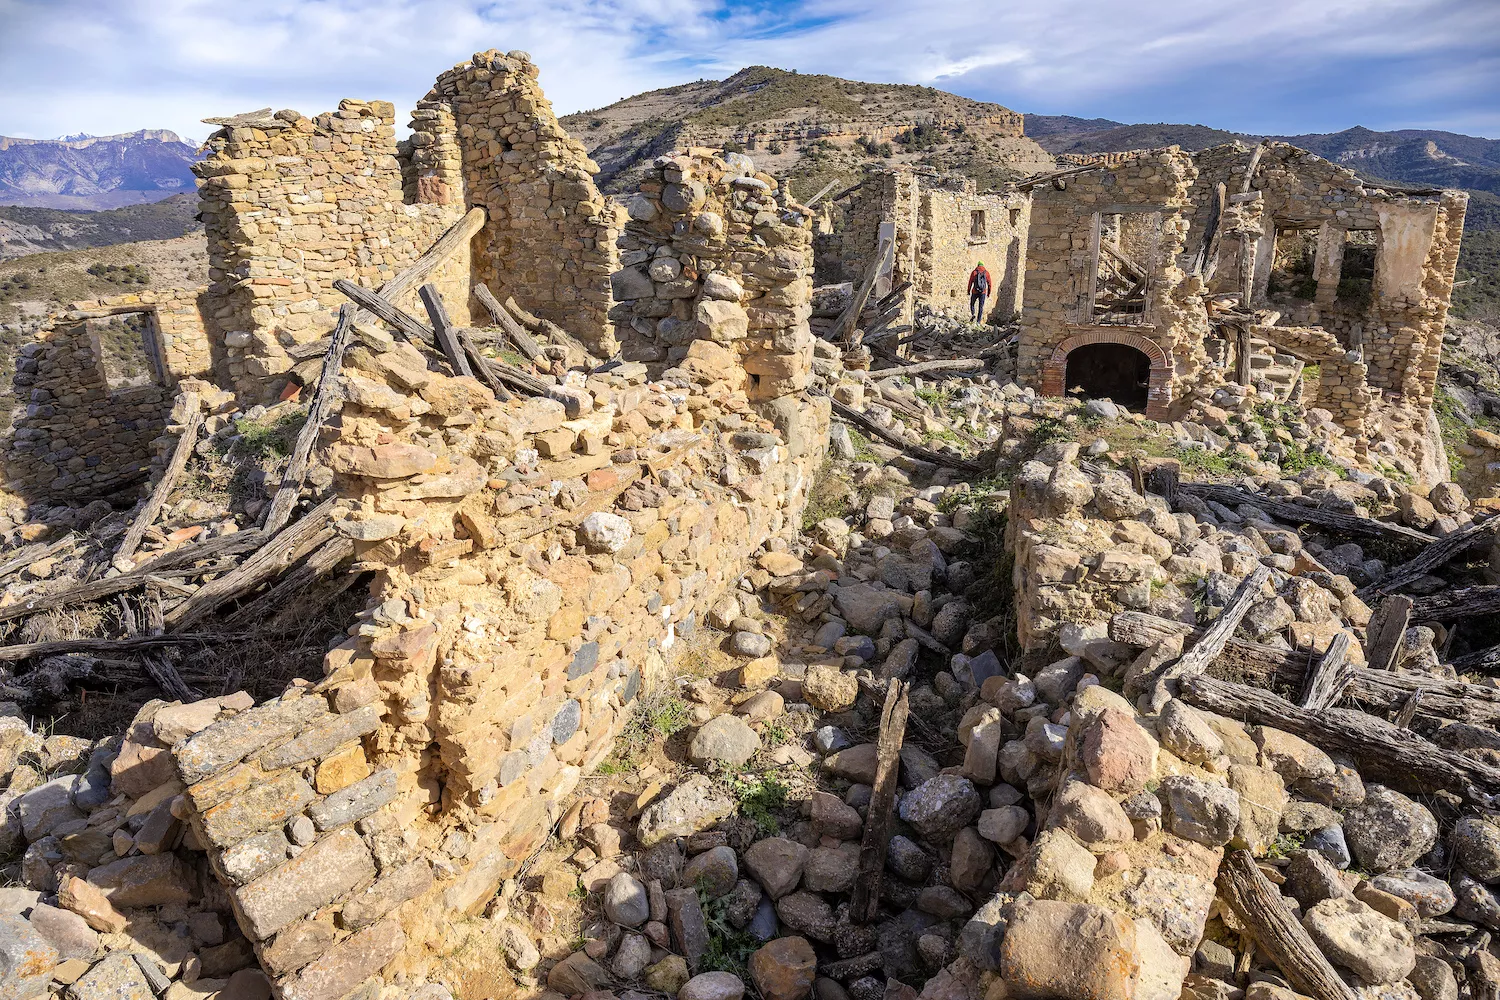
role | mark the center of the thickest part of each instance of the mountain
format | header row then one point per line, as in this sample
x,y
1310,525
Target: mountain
x,y
758,109
95,172
26,230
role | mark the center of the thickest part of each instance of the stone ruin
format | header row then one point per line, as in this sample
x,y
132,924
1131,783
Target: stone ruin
x,y
534,560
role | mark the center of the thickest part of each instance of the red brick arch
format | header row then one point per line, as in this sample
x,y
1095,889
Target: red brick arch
x,y
1158,389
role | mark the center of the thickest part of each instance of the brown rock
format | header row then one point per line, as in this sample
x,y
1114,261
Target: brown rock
x,y
784,969
347,964
341,770
145,881
1117,754
1075,950
317,876
90,903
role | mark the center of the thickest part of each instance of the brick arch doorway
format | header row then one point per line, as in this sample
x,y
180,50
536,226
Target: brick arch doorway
x,y
1110,364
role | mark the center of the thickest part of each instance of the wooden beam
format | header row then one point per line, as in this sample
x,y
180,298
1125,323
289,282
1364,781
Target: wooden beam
x,y
864,904
1261,908
1459,604
436,256
923,367
319,564
480,363
30,650
843,327
180,455
524,342
1286,670
295,474
442,329
1385,631
1395,756
374,302
1437,553
819,196
852,415
289,545
1208,647
240,541
1295,513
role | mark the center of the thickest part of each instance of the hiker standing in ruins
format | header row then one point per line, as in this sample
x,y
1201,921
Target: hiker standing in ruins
x,y
979,290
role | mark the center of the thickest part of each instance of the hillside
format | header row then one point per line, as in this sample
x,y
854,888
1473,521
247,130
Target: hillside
x,y
26,230
921,126
95,172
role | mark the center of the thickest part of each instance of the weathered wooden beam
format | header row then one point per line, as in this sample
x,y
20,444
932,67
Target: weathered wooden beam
x,y
442,329
822,191
324,396
444,247
1208,647
373,302
1456,605
1385,631
1261,908
852,415
1437,553
1329,677
1295,513
266,563
1286,670
143,574
1396,756
923,367
524,342
181,452
480,364
30,650
323,561
843,327
864,904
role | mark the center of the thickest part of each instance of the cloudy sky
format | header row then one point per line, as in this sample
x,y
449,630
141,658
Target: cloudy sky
x,y
1265,66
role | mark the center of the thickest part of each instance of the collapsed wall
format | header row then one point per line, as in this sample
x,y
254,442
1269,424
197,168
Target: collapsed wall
x,y
535,561
486,135
292,204
89,424
942,228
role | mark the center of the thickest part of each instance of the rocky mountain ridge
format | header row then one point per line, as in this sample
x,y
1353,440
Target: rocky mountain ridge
x,y
95,172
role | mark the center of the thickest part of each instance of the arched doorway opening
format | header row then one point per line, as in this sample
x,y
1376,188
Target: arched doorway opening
x,y
1117,372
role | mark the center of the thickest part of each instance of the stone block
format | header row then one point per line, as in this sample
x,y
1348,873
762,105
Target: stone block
x,y
316,877
262,807
338,971
230,740
356,801
329,733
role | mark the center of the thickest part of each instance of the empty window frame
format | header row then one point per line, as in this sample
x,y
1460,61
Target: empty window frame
x,y
1129,254
127,350
1294,264
977,227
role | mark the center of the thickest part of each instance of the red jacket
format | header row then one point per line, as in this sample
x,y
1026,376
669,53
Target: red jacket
x,y
989,283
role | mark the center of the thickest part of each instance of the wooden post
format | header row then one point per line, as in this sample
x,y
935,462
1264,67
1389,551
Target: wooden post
x,y
1242,354
843,327
1436,554
410,327
864,904
524,342
1329,677
1208,648
442,329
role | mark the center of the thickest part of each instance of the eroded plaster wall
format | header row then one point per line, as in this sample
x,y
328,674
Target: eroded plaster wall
x,y
951,246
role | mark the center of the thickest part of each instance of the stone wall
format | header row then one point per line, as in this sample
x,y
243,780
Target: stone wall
x,y
1063,249
1398,322
535,563
78,438
289,207
716,272
951,245
485,135
1342,387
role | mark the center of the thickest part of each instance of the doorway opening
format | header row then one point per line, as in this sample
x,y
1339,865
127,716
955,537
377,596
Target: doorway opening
x,y
1117,372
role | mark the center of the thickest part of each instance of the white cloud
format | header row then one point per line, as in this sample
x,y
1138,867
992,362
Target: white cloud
x,y
114,65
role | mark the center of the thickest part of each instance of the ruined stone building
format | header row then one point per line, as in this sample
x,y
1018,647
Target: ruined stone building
x,y
941,228
1151,275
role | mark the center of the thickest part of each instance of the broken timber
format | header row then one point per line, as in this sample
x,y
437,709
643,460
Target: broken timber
x,y
852,415
442,329
1385,631
1286,669
923,367
524,342
1456,605
1400,757
30,650
843,327
1437,553
292,477
1329,677
180,455
864,904
1258,904
1208,647
1295,513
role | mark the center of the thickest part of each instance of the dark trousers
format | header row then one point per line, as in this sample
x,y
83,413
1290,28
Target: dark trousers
x,y
976,306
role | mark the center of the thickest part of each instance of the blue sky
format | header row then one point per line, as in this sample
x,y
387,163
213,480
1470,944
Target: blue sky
x,y
1267,66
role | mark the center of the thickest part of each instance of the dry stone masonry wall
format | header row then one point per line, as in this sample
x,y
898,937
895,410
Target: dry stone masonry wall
x,y
535,563
294,204
485,135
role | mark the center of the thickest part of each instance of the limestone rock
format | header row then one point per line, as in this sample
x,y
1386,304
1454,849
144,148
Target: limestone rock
x,y
941,806
693,805
1373,947
1057,949
726,739
784,969
1389,830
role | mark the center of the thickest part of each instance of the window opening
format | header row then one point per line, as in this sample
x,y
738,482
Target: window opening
x,y
1117,372
126,349
1357,275
1294,264
1129,254
976,226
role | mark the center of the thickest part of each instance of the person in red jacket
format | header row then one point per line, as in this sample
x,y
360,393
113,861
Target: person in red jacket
x,y
979,290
